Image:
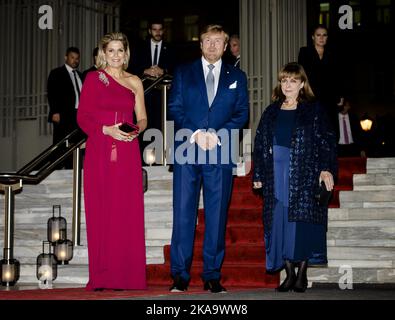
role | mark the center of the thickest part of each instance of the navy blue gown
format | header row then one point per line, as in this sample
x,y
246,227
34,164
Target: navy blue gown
x,y
294,241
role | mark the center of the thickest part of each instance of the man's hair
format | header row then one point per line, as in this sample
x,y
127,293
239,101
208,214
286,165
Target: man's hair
x,y
214,28
155,21
72,49
234,36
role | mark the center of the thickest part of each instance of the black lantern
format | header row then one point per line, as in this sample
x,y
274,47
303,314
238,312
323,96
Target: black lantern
x,y
63,250
57,226
47,266
10,269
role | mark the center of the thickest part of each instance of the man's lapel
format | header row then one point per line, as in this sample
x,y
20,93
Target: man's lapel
x,y
223,80
199,77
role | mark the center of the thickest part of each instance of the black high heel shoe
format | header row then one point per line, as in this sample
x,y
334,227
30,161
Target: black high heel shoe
x,y
301,279
288,283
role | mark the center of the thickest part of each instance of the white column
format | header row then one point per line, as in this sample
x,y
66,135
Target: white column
x,y
271,33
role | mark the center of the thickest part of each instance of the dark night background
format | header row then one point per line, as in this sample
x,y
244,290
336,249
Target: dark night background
x,y
369,59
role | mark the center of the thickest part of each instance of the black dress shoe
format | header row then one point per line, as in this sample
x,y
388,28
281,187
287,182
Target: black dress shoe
x,y
214,286
179,285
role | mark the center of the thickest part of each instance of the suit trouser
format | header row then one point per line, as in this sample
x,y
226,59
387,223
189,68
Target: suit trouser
x,y
217,187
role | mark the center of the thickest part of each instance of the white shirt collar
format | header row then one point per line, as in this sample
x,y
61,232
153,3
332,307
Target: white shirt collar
x,y
69,69
216,64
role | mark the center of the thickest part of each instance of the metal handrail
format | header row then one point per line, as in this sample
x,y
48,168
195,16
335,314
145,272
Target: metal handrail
x,y
24,173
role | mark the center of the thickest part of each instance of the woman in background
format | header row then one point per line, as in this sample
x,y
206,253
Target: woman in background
x,y
323,69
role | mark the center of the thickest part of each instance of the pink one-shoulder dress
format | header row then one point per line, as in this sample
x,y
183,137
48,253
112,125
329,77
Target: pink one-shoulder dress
x,y
113,188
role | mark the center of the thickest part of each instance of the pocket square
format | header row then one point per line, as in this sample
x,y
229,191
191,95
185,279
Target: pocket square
x,y
233,85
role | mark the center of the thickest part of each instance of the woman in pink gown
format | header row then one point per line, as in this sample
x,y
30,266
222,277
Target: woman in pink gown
x,y
113,189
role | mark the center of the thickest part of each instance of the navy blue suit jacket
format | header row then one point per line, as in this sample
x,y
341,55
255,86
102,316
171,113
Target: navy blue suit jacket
x,y
189,108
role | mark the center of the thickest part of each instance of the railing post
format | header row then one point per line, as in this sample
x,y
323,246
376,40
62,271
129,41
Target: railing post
x,y
9,222
9,218
164,88
76,224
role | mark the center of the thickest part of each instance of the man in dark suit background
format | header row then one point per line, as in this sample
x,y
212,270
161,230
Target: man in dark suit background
x,y
94,66
152,58
208,99
233,56
349,133
63,92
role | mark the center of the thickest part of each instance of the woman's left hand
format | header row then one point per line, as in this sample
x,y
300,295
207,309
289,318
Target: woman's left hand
x,y
327,177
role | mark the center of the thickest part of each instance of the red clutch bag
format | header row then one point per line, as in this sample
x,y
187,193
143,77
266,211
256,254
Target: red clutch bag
x,y
129,127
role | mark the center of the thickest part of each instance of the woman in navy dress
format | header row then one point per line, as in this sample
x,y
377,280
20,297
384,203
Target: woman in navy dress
x,y
294,150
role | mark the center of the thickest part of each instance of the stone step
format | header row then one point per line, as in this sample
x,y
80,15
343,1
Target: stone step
x,y
154,215
71,273
361,214
380,165
359,275
362,197
371,230
373,179
28,254
156,231
361,253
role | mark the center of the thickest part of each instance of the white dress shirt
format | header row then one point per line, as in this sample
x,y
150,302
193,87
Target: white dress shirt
x,y
71,74
341,128
153,44
216,72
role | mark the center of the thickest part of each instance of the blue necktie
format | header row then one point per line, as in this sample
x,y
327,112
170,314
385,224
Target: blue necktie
x,y
210,84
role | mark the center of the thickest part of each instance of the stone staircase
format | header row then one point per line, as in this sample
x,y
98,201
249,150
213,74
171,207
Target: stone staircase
x,y
33,207
361,233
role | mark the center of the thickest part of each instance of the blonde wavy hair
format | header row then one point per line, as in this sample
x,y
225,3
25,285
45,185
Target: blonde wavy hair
x,y
103,43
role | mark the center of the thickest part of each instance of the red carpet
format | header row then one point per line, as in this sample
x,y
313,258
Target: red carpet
x,y
244,264
81,294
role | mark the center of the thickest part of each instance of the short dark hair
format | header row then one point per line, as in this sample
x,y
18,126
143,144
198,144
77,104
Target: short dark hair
x,y
156,20
95,52
72,49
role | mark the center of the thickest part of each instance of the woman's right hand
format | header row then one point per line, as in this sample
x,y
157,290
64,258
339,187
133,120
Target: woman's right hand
x,y
257,185
117,134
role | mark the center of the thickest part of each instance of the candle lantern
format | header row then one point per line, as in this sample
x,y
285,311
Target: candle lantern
x,y
47,267
149,156
57,226
9,269
366,122
63,250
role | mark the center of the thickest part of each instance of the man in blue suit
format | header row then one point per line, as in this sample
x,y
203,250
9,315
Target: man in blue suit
x,y
209,104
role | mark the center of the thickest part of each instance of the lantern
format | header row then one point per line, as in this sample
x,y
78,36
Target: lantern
x,y
47,267
150,156
63,250
56,226
9,269
366,123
